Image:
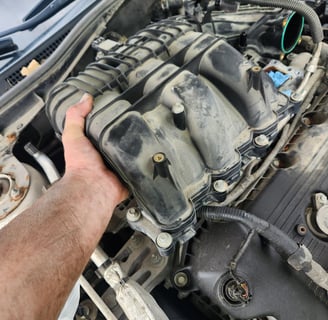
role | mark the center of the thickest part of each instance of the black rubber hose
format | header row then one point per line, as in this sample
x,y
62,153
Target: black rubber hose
x,y
298,6
284,245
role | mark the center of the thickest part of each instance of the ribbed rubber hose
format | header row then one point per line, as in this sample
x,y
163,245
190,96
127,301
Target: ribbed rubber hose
x,y
298,6
284,245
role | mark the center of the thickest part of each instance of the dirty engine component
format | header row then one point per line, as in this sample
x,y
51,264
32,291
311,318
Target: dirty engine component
x,y
179,115
214,114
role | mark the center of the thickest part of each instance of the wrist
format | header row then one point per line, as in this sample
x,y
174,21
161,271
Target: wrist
x,y
99,183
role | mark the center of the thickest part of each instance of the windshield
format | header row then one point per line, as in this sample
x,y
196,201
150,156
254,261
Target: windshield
x,y
12,15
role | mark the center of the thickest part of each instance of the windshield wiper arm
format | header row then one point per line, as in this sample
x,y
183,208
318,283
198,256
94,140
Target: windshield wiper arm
x,y
7,45
42,4
49,11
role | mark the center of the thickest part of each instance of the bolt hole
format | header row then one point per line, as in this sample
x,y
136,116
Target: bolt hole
x,y
301,229
314,118
256,69
286,160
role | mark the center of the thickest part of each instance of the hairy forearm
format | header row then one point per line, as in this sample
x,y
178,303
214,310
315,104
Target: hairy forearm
x,y
46,248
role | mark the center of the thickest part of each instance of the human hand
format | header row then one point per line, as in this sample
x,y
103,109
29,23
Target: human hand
x,y
64,227
82,159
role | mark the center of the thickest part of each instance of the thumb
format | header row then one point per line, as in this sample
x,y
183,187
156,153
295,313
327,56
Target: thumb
x,y
75,118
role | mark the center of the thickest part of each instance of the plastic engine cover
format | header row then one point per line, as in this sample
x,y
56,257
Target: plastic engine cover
x,y
174,111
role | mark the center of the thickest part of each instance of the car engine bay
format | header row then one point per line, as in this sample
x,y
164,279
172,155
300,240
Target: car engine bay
x,y
214,114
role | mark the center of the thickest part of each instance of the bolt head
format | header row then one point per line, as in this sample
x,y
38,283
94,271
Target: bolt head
x,y
262,140
133,215
220,186
164,240
180,279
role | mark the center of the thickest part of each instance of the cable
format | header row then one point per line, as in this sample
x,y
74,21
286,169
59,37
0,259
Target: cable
x,y
298,257
281,242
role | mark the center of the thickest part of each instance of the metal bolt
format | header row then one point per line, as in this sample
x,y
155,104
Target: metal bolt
x,y
262,140
181,279
164,240
220,186
133,215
